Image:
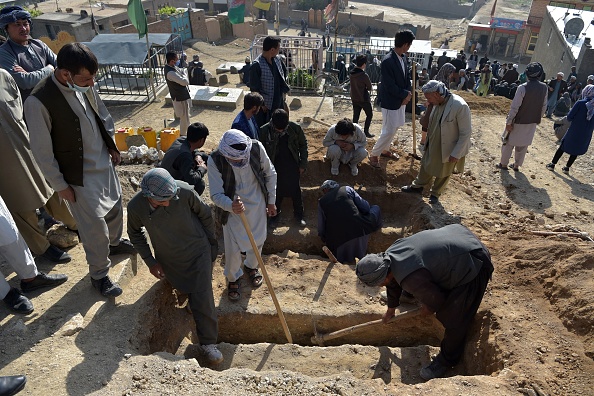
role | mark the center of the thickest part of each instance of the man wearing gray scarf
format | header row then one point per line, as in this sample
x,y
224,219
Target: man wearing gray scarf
x,y
448,139
447,270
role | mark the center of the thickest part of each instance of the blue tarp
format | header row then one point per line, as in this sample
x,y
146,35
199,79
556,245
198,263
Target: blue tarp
x,y
126,49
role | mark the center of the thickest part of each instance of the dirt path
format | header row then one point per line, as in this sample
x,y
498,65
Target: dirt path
x,y
534,330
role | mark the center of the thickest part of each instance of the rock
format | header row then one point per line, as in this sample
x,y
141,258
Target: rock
x,y
135,140
233,70
533,176
60,236
550,215
17,328
127,356
295,104
213,82
584,212
72,326
135,183
223,79
540,220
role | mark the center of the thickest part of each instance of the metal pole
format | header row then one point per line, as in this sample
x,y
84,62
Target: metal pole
x,y
334,46
150,65
277,18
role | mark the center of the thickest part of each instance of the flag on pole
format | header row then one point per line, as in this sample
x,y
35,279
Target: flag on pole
x,y
331,11
137,17
236,10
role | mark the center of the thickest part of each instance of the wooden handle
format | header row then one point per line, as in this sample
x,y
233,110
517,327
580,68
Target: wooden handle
x,y
339,333
414,106
266,278
330,255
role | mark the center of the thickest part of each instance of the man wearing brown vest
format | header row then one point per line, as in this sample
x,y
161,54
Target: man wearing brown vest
x,y
72,141
526,111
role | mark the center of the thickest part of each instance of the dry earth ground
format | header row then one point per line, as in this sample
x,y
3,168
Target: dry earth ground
x,y
534,330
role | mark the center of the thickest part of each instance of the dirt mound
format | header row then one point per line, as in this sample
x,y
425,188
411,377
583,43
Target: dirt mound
x,y
492,105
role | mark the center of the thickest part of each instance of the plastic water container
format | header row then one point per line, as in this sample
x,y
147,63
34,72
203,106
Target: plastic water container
x,y
168,136
120,138
150,136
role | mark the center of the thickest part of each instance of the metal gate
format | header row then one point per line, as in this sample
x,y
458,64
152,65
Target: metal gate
x,y
180,24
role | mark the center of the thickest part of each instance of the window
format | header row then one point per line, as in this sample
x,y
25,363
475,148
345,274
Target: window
x,y
101,27
587,8
564,5
549,39
532,43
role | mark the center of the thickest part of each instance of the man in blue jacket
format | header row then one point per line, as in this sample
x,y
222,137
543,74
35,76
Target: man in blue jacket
x,y
394,93
245,121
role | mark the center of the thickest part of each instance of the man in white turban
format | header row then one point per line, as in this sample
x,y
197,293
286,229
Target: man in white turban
x,y
448,139
241,178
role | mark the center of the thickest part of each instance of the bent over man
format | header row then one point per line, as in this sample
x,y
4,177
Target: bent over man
x,y
241,179
181,229
447,270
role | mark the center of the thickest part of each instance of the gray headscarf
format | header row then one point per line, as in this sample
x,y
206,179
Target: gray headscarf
x,y
12,14
436,86
373,269
445,72
329,185
158,184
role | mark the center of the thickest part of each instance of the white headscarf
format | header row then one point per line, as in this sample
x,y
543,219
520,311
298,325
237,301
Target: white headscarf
x,y
588,93
230,138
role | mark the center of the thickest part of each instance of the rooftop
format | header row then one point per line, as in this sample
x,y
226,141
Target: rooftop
x,y
574,25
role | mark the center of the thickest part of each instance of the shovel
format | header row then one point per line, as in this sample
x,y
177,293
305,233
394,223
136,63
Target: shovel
x,y
414,111
279,311
319,338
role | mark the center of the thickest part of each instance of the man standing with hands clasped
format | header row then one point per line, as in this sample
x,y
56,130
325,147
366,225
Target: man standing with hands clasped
x,y
394,93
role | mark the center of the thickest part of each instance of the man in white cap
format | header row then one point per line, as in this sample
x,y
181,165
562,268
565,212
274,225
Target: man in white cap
x,y
181,230
241,178
448,139
447,270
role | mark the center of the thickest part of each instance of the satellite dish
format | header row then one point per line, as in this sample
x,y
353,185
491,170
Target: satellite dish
x,y
574,27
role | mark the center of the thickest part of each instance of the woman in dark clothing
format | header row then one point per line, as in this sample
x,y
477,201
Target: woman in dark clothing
x,y
577,139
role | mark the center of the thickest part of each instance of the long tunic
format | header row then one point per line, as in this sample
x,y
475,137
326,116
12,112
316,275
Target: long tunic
x,y
579,135
246,186
432,160
22,184
179,234
522,134
101,188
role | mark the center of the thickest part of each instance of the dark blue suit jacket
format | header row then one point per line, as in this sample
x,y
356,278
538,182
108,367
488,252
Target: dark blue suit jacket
x,y
395,83
243,124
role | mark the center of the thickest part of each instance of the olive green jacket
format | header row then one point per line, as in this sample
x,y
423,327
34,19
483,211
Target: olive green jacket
x,y
297,143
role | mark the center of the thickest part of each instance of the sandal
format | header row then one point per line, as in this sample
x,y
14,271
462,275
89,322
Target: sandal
x,y
391,155
502,167
514,167
233,291
255,277
374,162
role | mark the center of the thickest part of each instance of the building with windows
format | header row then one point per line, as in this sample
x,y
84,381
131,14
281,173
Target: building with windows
x,y
536,17
565,40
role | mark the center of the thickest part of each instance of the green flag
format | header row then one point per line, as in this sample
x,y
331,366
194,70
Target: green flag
x,y
236,10
137,17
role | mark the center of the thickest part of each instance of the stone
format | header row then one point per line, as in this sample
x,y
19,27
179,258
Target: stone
x,y
223,79
295,104
233,70
135,140
72,326
213,82
61,237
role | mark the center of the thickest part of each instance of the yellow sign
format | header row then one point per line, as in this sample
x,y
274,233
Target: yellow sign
x,y
261,5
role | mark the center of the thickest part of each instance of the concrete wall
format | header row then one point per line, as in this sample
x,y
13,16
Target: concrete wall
x,y
549,52
250,29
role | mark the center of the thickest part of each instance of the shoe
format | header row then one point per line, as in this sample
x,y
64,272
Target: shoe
x,y
565,170
12,384
334,171
500,166
369,135
106,287
514,167
56,255
124,247
374,162
43,280
551,166
212,353
433,370
433,199
354,169
17,302
411,189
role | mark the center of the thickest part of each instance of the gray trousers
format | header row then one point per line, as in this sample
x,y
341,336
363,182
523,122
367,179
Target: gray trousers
x,y
19,257
205,315
96,234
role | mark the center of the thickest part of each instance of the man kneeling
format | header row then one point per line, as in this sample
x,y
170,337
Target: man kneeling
x,y
447,270
181,229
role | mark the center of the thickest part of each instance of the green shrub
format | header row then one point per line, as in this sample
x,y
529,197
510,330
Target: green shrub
x,y
300,78
168,10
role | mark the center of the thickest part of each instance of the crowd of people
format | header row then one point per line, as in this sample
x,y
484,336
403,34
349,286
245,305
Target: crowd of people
x,y
60,143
